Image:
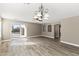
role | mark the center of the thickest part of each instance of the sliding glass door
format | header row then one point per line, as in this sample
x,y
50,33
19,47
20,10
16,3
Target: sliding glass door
x,y
18,30
15,30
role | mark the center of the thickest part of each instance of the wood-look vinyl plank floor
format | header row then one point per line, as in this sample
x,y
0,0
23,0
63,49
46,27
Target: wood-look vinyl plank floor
x,y
37,46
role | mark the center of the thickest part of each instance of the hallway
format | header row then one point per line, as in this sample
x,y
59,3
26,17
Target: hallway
x,y
38,46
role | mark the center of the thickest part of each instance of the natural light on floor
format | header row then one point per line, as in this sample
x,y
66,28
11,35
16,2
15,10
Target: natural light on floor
x,y
21,41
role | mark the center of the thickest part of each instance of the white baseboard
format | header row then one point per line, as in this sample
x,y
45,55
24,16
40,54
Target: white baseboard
x,y
47,36
29,37
34,36
70,43
40,35
4,40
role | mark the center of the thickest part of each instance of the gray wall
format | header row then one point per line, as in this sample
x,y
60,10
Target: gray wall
x,y
0,28
33,29
6,29
49,34
46,33
70,30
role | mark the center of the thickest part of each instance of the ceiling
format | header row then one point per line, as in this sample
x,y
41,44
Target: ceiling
x,y
25,11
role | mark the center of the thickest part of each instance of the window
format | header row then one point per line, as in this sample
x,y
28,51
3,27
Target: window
x,y
49,28
44,28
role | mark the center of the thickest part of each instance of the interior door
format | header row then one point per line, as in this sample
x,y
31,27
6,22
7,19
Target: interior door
x,y
57,32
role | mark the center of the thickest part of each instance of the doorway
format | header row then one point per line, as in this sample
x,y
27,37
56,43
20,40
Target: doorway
x,y
57,32
23,30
